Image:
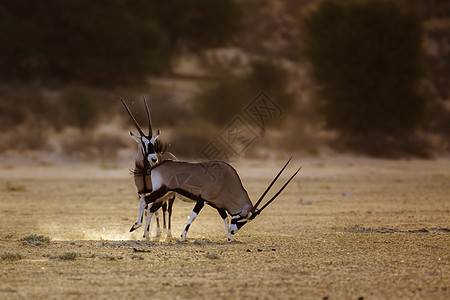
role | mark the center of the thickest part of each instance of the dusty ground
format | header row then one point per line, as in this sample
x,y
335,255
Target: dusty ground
x,y
345,229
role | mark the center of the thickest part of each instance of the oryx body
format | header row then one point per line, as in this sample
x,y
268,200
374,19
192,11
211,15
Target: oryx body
x,y
215,183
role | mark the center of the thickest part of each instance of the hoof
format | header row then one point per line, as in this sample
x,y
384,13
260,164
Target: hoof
x,y
134,227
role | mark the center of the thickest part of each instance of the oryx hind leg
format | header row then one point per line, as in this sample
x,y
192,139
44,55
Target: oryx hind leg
x,y
197,208
224,215
169,210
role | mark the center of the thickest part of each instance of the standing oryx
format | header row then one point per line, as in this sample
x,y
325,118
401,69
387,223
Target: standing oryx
x,y
142,179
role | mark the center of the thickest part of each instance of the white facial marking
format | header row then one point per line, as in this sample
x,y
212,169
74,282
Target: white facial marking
x,y
156,180
152,158
145,141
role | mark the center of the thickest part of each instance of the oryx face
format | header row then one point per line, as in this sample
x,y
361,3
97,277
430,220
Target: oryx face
x,y
147,146
237,222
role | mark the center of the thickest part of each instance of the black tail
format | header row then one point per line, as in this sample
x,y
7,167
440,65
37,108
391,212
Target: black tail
x,y
258,211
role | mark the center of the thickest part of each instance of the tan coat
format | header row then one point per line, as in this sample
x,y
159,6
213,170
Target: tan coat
x,y
215,182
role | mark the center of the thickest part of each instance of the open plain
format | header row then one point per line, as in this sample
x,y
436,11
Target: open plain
x,y
346,228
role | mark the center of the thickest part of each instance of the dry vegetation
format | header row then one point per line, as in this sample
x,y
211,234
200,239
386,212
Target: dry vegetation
x,y
345,229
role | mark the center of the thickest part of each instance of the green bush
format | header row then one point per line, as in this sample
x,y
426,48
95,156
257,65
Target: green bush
x,y
366,59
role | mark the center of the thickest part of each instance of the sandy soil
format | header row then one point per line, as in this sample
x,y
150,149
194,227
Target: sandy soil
x,y
346,228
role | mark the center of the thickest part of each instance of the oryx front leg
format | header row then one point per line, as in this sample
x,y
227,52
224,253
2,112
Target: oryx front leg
x,y
152,200
197,208
224,215
148,220
142,206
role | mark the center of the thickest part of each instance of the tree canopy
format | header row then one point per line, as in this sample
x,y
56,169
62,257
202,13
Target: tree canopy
x,y
105,42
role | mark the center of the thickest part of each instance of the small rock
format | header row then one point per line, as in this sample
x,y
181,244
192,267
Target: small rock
x,y
211,255
301,202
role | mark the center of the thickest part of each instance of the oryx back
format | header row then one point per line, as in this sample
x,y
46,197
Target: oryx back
x,y
215,182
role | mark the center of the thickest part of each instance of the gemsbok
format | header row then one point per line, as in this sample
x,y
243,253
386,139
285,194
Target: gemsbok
x,y
142,179
215,183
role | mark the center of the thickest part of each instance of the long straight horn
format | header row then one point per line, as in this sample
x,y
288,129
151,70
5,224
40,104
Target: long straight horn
x,y
150,130
270,185
277,194
132,118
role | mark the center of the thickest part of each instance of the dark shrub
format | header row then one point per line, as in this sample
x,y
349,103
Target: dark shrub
x,y
366,59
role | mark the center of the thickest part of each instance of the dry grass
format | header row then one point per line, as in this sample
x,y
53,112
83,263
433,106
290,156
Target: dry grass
x,y
11,187
35,240
12,256
372,228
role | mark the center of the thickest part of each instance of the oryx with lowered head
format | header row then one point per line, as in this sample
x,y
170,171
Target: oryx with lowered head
x,y
215,183
142,179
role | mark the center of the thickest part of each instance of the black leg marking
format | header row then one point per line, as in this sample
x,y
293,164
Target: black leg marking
x,y
155,207
187,227
222,213
171,200
198,207
155,195
164,209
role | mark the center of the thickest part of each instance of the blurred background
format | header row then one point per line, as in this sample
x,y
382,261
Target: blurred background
x,y
368,78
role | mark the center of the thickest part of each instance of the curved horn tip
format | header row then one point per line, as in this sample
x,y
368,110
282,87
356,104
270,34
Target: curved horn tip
x,y
131,116
149,117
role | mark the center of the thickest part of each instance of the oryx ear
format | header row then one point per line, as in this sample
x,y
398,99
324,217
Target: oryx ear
x,y
155,136
135,137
